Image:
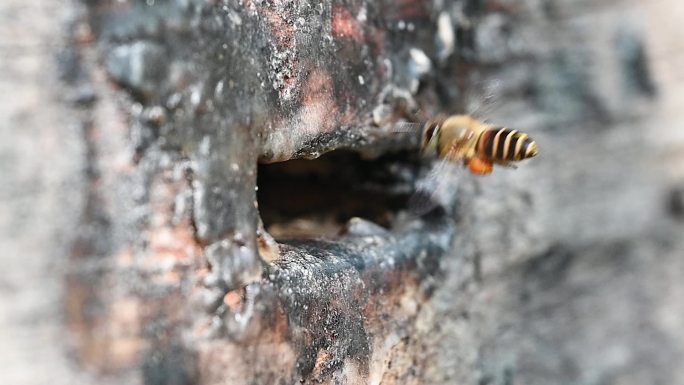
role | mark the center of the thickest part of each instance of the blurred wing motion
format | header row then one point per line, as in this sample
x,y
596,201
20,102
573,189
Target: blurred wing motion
x,y
406,127
437,188
482,102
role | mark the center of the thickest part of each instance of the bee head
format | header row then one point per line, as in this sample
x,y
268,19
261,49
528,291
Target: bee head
x,y
431,137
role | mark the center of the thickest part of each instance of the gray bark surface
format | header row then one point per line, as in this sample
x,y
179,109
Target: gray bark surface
x,y
132,135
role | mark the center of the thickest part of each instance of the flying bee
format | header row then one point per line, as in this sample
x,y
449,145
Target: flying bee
x,y
479,145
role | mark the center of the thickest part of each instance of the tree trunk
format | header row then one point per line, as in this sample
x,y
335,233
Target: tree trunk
x,y
226,192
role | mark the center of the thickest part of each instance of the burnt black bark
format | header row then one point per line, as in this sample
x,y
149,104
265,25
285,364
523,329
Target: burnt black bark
x,y
562,271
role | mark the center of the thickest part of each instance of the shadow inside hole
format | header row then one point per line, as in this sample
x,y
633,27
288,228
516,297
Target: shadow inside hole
x,y
315,198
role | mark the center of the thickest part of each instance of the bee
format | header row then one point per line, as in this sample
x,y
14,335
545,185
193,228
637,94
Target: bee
x,y
479,145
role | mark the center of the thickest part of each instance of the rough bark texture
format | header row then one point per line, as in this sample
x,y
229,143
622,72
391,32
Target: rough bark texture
x,y
132,136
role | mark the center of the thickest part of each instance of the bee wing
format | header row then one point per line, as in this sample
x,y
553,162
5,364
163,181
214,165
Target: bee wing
x,y
438,187
414,123
405,127
482,97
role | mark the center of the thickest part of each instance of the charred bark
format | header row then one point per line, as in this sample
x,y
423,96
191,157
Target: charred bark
x,y
209,126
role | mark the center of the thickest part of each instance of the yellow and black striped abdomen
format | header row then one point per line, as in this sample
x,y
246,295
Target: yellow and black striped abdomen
x,y
505,145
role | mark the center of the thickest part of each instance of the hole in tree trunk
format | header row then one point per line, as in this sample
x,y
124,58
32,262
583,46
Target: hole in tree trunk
x,y
315,198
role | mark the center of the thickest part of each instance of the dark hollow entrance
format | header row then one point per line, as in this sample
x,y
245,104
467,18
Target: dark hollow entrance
x,y
315,198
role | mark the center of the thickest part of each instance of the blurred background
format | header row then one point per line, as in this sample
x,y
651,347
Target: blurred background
x,y
568,270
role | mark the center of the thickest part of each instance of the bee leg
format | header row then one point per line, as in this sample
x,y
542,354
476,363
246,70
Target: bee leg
x,y
509,165
478,166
